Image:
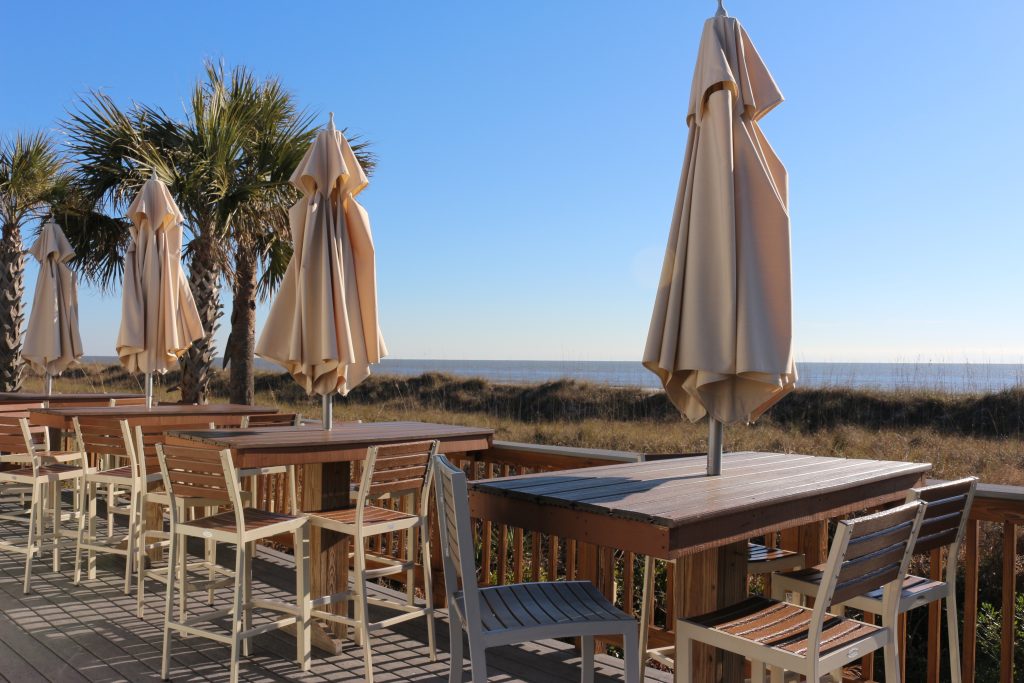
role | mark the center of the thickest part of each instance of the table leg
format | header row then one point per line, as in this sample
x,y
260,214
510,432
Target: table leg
x,y
704,582
326,487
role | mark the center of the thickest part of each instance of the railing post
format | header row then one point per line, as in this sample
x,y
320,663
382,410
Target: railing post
x,y
1009,600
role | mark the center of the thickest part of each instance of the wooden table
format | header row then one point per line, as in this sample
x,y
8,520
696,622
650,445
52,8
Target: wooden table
x,y
326,481
169,415
670,509
61,400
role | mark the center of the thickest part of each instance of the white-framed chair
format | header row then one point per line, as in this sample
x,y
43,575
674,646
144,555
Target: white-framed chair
x,y
155,540
943,527
391,471
109,441
45,480
867,553
209,474
505,615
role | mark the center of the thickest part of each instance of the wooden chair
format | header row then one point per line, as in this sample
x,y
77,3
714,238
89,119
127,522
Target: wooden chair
x,y
761,560
153,539
867,553
45,478
388,471
211,475
504,615
943,527
110,442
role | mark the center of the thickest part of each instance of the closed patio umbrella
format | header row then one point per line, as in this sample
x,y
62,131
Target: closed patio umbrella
x,y
720,338
52,341
322,326
159,319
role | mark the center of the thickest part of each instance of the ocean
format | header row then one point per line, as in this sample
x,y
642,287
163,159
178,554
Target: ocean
x,y
949,377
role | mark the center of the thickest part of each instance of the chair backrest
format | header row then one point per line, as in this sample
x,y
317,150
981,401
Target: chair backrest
x,y
457,550
868,553
945,520
14,440
128,401
200,473
398,469
20,409
273,420
106,436
147,436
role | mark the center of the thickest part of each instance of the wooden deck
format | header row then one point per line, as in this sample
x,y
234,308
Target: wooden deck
x,y
61,632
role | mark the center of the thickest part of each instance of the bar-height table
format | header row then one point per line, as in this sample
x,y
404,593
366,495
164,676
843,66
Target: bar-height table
x,y
672,510
168,414
326,482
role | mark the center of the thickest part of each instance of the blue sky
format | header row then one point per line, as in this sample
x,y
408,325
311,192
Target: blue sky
x,y
530,152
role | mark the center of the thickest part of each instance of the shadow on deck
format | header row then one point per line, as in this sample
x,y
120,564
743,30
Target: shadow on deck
x,y
62,632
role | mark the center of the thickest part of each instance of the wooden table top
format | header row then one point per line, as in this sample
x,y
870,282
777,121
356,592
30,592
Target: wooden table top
x,y
267,446
669,508
167,413
8,397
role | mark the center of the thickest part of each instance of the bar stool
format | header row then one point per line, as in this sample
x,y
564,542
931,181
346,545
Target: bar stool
x,y
869,552
388,472
945,521
203,473
44,478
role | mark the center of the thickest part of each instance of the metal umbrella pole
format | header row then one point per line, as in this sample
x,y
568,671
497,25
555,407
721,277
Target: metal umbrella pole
x,y
327,411
716,434
149,389
49,384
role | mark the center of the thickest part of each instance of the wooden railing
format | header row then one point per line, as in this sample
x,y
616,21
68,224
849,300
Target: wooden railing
x,y
514,555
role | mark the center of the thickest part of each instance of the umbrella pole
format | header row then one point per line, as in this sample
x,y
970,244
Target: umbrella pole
x,y
149,389
327,411
715,436
49,384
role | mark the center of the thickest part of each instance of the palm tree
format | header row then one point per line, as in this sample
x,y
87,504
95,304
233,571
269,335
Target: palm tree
x,y
30,175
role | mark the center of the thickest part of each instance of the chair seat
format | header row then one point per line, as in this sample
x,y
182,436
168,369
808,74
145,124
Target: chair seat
x,y
782,626
54,472
538,605
916,591
344,520
258,523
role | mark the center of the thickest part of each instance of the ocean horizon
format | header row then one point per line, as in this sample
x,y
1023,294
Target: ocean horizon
x,y
948,377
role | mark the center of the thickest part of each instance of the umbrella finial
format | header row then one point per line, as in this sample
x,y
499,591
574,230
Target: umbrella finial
x,y
330,121
721,10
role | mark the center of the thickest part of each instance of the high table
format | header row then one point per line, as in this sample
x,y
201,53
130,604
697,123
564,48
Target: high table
x,y
169,414
61,400
326,481
671,509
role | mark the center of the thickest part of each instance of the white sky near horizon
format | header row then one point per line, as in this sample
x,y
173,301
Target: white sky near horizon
x,y
529,155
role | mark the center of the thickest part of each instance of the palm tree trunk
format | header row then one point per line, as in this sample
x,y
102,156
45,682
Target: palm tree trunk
x,y
204,281
12,312
242,348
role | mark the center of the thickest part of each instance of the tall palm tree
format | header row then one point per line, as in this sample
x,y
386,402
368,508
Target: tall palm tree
x,y
30,173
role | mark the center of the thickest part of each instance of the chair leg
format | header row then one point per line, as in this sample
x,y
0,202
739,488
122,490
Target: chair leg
x,y
55,495
140,561
236,616
182,569
362,607
168,606
892,660
455,646
111,500
428,589
82,514
477,662
953,632
757,672
646,609
303,629
632,661
33,521
839,611
210,555
250,549
587,659
90,555
684,656
776,674
129,556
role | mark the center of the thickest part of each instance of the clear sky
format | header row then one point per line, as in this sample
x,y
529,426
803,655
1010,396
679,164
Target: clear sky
x,y
530,153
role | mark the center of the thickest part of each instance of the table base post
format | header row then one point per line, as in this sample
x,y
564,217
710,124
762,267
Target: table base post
x,y
706,581
326,487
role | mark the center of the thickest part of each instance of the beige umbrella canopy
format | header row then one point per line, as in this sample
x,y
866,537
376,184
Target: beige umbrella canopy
x,y
322,326
721,334
52,341
159,319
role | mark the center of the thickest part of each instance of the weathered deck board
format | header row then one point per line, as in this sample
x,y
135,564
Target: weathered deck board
x,y
90,633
